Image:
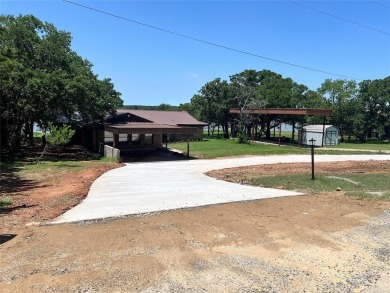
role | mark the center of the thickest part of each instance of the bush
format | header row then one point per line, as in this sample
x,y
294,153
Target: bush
x,y
242,137
59,135
5,202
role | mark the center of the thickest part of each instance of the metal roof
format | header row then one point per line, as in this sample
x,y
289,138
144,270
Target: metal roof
x,y
317,128
283,111
180,118
153,128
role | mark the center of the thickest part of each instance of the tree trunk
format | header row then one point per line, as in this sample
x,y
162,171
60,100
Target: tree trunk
x,y
369,133
226,123
15,139
387,132
31,133
268,130
293,132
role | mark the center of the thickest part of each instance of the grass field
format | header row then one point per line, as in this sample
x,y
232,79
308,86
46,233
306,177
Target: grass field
x,y
31,167
215,148
364,185
363,146
371,144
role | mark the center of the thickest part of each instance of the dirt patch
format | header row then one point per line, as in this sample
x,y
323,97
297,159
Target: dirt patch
x,y
46,194
313,243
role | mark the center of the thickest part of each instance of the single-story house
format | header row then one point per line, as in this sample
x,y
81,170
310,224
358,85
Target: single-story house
x,y
135,129
322,134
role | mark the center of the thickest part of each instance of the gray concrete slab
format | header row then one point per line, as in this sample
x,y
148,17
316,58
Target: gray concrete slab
x,y
139,188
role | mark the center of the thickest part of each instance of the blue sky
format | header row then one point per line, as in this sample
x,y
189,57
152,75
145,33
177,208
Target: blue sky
x,y
150,67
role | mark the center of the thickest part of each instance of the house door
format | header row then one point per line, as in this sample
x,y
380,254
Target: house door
x,y
331,138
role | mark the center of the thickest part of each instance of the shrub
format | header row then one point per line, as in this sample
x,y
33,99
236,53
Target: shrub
x,y
59,135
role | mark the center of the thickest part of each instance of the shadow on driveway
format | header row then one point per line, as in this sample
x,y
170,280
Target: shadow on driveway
x,y
143,156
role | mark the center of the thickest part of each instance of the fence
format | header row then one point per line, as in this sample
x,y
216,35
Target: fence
x,y
110,152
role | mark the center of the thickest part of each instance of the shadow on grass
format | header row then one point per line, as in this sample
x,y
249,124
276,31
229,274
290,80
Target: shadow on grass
x,y
31,153
7,210
11,181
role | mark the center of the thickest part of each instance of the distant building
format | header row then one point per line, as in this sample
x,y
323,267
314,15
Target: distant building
x,y
322,134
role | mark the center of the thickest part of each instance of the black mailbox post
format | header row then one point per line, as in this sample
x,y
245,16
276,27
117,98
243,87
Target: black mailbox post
x,y
312,141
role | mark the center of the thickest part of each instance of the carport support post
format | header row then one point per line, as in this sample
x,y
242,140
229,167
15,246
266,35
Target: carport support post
x,y
301,136
188,147
312,141
323,131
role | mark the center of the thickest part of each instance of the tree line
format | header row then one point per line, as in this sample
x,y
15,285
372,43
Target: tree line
x,y
360,110
44,81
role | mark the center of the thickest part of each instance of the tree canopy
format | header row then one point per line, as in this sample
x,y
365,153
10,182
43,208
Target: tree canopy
x,y
43,79
250,89
359,110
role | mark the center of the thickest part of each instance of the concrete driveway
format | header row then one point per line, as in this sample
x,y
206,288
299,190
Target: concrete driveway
x,y
139,188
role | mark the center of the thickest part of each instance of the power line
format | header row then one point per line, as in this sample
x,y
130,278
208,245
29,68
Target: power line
x,y
339,17
380,4
209,43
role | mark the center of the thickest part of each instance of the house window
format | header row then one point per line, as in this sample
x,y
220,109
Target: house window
x,y
108,136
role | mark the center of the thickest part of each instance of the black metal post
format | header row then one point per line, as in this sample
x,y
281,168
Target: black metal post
x,y
312,158
188,148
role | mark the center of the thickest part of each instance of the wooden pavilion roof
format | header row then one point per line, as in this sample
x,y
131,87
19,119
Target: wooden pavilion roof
x,y
283,111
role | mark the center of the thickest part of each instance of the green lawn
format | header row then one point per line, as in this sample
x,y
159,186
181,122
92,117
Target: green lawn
x,y
364,146
353,184
37,134
215,148
287,134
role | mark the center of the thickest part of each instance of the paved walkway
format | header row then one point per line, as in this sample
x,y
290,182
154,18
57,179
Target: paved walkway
x,y
139,188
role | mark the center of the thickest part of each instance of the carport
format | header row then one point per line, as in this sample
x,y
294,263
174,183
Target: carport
x,y
142,142
143,135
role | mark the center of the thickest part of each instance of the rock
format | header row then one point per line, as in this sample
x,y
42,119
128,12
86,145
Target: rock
x,y
338,189
33,224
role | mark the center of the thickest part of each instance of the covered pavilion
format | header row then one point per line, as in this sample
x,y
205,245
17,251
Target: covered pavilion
x,y
286,111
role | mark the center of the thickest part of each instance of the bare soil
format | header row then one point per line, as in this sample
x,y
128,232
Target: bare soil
x,y
46,194
312,243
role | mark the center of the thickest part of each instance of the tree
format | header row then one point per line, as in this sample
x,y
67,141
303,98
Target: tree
x,y
247,90
212,103
339,95
43,80
372,106
265,88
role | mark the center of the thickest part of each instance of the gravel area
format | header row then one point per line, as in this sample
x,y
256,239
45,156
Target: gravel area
x,y
317,243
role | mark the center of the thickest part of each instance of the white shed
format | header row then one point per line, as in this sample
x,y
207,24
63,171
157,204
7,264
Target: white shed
x,y
317,132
